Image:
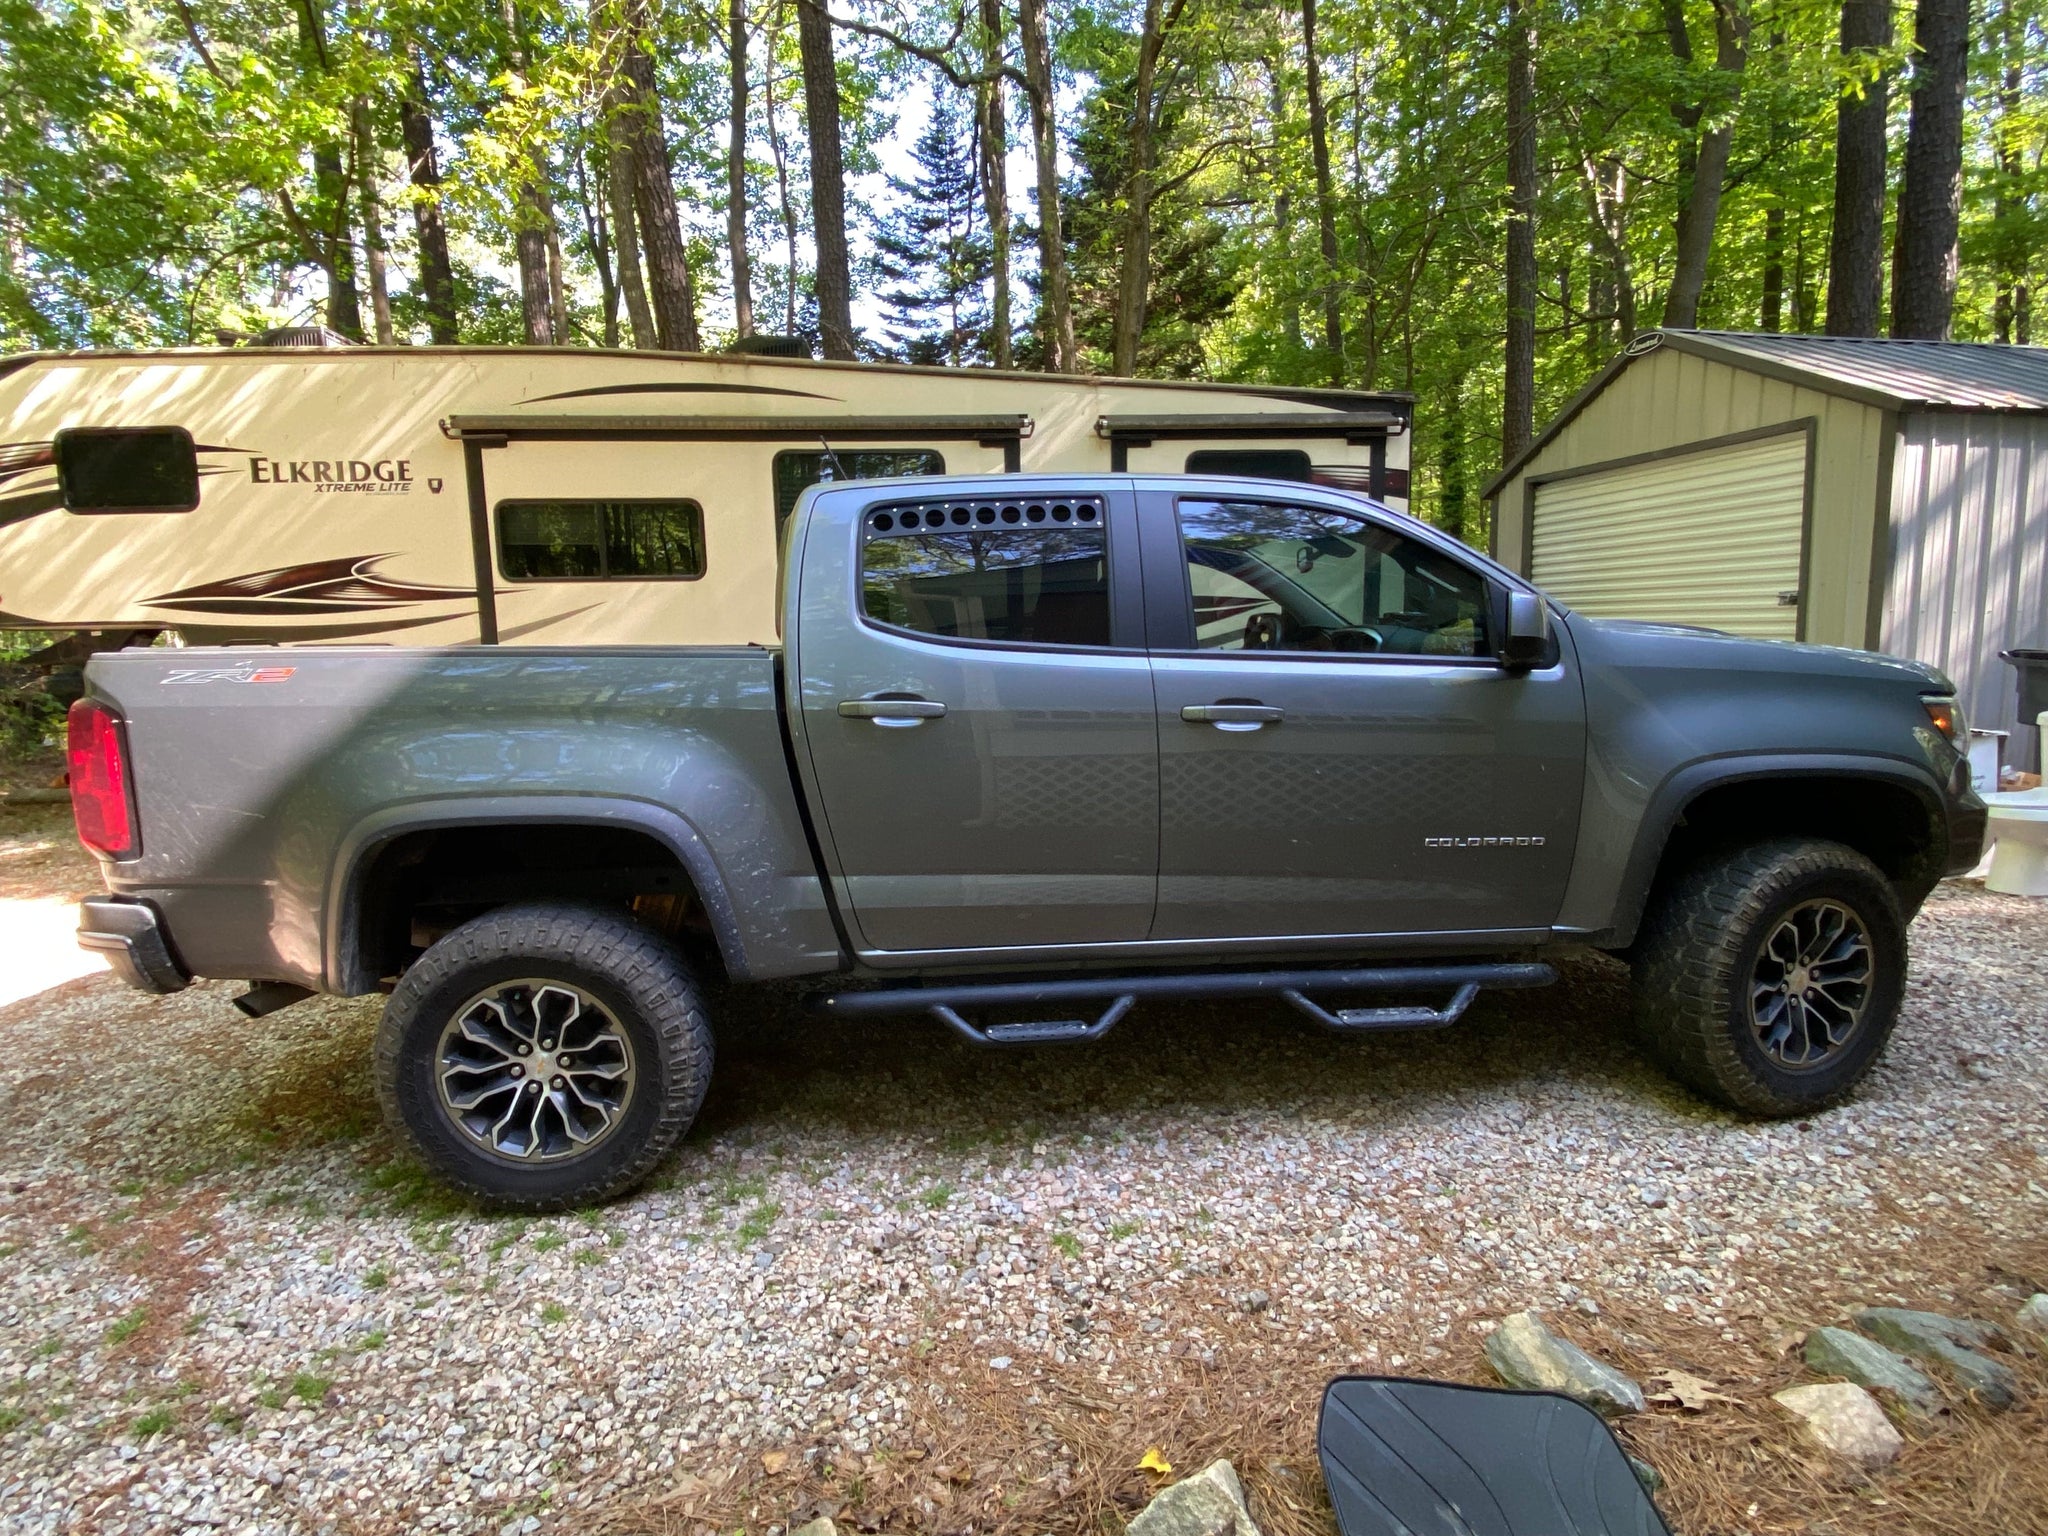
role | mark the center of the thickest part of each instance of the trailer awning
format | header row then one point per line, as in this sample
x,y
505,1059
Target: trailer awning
x,y
1353,426
492,430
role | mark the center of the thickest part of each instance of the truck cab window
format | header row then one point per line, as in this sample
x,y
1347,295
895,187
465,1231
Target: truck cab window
x,y
1271,577
1033,573
796,470
600,540
127,469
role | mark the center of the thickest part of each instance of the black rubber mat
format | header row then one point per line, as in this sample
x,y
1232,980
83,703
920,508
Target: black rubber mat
x,y
1431,1458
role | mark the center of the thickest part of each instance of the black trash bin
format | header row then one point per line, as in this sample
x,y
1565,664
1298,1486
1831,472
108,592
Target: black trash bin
x,y
2033,669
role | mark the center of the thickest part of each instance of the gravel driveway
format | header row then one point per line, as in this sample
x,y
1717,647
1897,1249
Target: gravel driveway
x,y
231,1304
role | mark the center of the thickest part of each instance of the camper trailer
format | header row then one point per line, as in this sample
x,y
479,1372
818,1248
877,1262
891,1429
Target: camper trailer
x,y
426,496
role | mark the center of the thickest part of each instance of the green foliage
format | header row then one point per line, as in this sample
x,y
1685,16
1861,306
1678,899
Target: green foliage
x,y
167,170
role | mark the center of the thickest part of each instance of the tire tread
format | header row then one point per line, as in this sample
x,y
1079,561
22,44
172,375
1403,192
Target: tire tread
x,y
613,944
1687,962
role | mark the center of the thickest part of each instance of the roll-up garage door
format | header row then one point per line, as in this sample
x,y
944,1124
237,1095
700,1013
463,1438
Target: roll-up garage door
x,y
1709,538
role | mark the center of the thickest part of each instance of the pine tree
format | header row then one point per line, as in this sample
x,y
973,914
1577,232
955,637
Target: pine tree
x,y
933,252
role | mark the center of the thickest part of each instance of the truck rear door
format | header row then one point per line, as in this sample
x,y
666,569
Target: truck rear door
x,y
976,715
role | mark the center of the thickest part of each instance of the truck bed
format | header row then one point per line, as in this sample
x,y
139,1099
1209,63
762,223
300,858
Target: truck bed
x,y
304,759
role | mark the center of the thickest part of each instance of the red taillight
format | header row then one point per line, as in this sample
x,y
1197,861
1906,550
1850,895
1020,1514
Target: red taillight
x,y
99,779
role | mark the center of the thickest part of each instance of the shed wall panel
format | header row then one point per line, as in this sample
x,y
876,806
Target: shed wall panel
x,y
1969,556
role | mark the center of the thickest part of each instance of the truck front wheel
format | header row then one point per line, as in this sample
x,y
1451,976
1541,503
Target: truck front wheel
x,y
544,1056
1769,978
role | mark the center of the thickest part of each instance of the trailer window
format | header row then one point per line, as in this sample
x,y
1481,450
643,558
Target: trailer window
x,y
1259,463
600,540
127,469
797,470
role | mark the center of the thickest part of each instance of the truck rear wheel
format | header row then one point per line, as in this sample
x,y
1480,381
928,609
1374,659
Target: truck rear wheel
x,y
1769,978
544,1056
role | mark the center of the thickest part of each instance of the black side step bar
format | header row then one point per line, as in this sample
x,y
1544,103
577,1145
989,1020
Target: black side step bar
x,y
1121,993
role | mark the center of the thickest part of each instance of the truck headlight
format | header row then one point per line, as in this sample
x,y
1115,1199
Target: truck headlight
x,y
1947,716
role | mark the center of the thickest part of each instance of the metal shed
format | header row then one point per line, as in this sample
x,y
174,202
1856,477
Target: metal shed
x,y
1888,495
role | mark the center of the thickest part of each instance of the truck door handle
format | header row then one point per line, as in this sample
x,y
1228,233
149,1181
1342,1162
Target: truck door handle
x,y
1233,717
893,710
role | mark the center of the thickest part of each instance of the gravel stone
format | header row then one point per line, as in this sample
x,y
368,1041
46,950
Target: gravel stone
x,y
1528,1355
1211,1503
1930,1336
202,1216
1838,1352
2033,1315
1846,1420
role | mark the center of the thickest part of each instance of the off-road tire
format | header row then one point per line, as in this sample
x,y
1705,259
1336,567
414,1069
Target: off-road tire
x,y
1697,953
635,973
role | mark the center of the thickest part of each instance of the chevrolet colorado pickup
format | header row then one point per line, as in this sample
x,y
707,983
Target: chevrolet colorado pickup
x,y
1030,747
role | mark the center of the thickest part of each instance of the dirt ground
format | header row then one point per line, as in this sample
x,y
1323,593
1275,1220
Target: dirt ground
x,y
925,1289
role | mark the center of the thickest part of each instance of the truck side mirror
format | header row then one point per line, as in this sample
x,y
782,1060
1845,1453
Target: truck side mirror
x,y
1526,642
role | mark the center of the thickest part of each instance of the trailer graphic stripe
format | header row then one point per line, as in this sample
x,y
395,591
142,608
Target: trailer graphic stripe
x,y
347,585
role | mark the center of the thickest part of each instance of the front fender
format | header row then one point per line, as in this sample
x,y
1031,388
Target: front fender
x,y
1609,916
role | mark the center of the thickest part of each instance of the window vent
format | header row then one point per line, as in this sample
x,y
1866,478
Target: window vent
x,y
956,516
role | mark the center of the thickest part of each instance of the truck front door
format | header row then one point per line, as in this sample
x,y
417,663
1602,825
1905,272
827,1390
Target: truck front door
x,y
1340,753
976,716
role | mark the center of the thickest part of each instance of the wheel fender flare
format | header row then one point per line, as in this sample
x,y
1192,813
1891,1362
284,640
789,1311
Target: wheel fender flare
x,y
341,931
1683,786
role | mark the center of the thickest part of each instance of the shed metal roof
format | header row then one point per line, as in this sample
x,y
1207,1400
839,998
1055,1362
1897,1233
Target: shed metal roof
x,y
1953,375
1894,375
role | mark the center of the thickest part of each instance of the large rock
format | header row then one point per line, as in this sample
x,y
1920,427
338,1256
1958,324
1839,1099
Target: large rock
x,y
1208,1504
822,1526
1930,1336
1846,1420
1903,1328
1528,1355
1838,1352
2034,1314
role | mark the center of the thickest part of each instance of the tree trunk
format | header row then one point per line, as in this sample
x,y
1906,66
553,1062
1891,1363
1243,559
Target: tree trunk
x,y
344,300
530,211
1771,299
828,179
736,172
437,273
619,181
1772,308
1703,163
1518,411
328,237
1326,202
993,112
671,288
1055,306
1856,245
558,297
2011,309
1610,232
786,206
1134,279
1931,186
373,219
597,237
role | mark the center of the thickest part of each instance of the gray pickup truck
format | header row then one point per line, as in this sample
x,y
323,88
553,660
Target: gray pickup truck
x,y
1029,748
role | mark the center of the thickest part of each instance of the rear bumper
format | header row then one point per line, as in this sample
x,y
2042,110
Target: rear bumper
x,y
132,937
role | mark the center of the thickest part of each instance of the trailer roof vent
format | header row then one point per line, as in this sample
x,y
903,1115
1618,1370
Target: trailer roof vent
x,y
763,345
286,336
